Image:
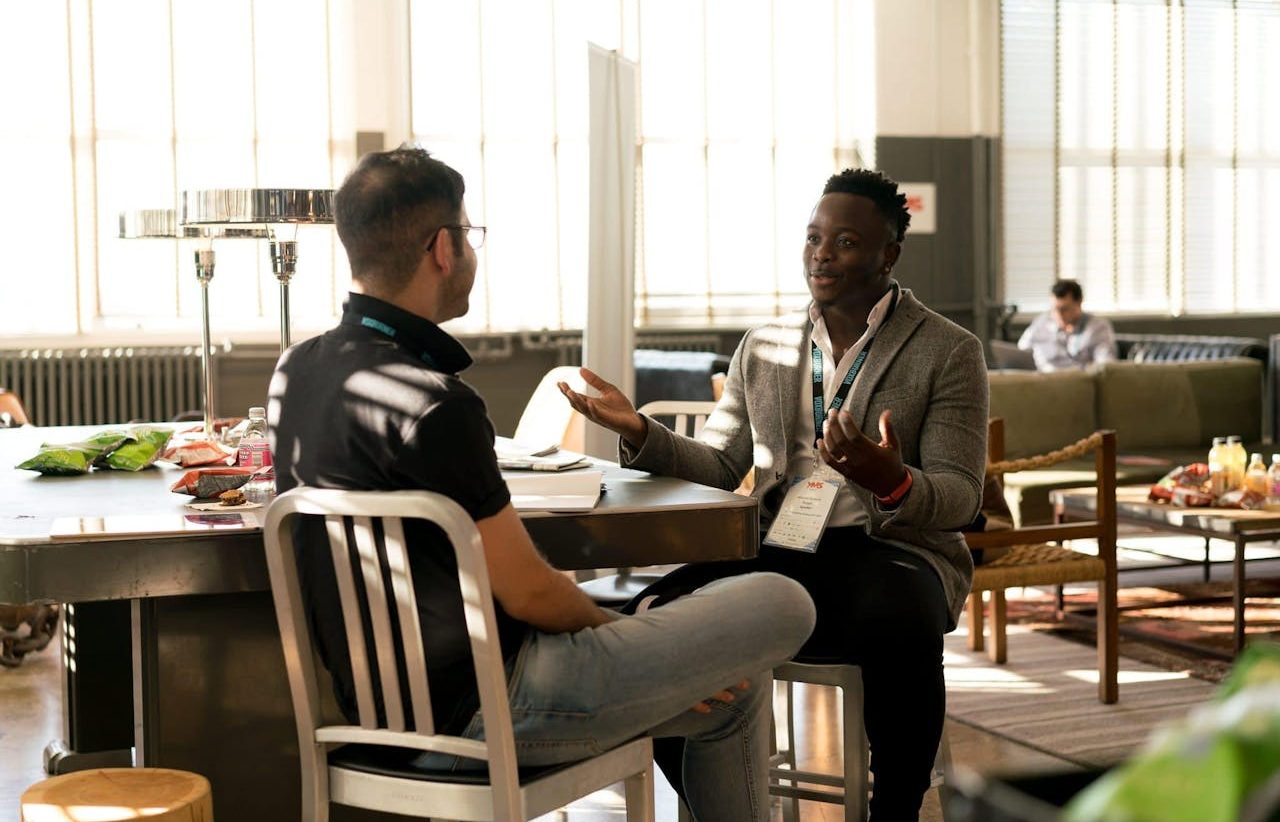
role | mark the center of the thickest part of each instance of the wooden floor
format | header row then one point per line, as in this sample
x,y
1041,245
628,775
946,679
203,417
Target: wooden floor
x,y
30,716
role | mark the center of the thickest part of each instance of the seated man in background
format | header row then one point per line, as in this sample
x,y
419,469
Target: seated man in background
x,y
1065,336
864,424
376,404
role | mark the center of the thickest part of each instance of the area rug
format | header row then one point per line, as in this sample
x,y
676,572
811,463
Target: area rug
x,y
1150,615
1046,697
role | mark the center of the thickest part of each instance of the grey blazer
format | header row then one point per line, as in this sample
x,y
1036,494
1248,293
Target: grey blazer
x,y
930,371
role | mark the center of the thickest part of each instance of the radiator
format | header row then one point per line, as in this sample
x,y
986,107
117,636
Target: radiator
x,y
96,386
570,348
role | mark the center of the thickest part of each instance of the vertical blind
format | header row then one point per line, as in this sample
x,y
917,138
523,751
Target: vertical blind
x,y
747,106
113,106
1142,153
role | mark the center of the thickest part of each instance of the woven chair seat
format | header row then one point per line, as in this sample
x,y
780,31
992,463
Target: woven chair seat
x,y
1040,564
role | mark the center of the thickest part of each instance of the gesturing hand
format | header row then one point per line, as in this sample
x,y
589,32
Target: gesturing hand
x,y
875,466
611,409
726,695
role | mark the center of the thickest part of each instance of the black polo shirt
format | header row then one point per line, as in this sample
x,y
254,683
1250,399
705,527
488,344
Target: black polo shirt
x,y
375,404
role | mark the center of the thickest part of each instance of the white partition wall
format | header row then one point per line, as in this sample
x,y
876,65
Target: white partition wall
x,y
608,337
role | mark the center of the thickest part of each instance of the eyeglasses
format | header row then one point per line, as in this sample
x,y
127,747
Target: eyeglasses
x,y
474,233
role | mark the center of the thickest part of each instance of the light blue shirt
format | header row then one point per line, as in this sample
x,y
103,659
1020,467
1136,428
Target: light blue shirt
x,y
1092,341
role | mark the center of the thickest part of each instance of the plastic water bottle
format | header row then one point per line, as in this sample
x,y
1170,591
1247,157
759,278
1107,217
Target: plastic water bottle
x,y
1273,484
255,450
1238,460
1255,478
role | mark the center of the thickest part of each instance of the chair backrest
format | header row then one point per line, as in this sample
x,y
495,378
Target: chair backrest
x,y
548,417
1008,355
365,529
685,417
11,405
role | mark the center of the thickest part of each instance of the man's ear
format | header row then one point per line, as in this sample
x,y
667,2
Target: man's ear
x,y
891,252
442,251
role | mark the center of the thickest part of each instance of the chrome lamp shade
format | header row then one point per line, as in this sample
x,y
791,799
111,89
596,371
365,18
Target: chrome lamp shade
x,y
231,207
162,224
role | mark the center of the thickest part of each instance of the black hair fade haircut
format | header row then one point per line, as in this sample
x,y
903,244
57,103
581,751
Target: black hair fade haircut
x,y
877,188
387,209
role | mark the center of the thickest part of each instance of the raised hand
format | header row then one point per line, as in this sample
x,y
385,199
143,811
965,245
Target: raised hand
x,y
876,466
611,409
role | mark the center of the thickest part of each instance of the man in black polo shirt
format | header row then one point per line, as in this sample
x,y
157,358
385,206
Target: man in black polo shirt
x,y
376,404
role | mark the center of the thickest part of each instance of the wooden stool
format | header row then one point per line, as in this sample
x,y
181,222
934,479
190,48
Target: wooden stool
x,y
109,794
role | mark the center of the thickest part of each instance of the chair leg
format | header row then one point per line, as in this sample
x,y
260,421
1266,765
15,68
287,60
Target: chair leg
x,y
999,651
975,621
791,805
855,754
1108,642
639,795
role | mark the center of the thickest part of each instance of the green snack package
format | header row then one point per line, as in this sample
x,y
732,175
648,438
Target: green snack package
x,y
60,460
145,446
71,458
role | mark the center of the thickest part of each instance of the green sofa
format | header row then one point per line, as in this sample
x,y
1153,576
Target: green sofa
x,y
1164,415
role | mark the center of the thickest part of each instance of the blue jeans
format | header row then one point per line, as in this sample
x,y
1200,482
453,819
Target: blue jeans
x,y
577,695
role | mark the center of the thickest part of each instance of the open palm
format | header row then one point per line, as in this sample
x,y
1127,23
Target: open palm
x,y
612,409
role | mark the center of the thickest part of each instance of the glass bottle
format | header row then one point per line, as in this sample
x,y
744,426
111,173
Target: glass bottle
x,y
1238,460
1273,484
1219,476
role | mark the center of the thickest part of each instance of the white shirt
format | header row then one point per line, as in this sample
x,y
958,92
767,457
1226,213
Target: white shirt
x,y
1092,341
800,454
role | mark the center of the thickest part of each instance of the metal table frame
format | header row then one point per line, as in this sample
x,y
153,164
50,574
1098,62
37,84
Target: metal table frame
x,y
1132,508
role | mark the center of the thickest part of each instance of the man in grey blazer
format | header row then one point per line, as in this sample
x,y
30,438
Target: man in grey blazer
x,y
864,491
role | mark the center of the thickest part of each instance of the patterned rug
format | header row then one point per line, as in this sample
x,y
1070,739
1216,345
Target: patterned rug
x,y
1149,615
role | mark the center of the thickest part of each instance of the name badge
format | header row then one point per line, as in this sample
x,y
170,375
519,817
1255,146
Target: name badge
x,y
805,510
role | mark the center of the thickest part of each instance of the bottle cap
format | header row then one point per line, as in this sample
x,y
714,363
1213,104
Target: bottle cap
x,y
1275,457
1255,458
1219,440
1234,438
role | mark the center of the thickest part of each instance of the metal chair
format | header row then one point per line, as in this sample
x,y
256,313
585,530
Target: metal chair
x,y
851,788
349,764
686,418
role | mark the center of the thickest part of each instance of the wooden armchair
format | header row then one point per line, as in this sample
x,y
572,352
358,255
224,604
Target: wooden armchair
x,y
1035,555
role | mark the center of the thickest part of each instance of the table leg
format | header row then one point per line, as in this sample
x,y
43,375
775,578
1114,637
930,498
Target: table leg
x,y
1238,594
1206,559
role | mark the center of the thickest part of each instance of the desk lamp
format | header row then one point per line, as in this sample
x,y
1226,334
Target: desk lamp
x,y
265,207
162,224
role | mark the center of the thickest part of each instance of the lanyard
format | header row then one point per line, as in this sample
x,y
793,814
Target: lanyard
x,y
842,393
383,328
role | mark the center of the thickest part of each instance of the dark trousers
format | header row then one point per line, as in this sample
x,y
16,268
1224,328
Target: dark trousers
x,y
881,608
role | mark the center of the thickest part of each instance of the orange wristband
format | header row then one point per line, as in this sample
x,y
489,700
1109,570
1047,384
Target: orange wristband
x,y
895,496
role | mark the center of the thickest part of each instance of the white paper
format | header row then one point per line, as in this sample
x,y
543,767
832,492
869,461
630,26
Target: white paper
x,y
549,491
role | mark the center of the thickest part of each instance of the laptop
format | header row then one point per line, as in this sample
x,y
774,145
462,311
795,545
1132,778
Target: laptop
x,y
1007,355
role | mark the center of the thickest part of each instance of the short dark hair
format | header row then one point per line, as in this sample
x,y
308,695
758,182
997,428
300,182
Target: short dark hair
x,y
387,208
1063,288
877,188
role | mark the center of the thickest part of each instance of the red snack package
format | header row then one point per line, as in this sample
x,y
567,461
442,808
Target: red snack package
x,y
1241,498
209,482
1191,497
204,452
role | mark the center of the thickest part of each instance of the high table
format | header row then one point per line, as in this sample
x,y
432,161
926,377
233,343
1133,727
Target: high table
x,y
1133,508
209,690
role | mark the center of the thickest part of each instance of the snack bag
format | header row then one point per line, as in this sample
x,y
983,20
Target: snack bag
x,y
204,452
60,460
74,458
210,482
1241,498
145,446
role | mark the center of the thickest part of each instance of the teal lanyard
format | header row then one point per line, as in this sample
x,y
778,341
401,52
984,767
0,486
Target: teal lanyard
x,y
842,393
387,330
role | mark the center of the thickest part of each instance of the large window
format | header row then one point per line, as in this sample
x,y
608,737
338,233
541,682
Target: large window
x,y
1142,153
746,107
112,106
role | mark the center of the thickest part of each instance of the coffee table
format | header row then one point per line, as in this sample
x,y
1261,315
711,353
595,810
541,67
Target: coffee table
x,y
1133,508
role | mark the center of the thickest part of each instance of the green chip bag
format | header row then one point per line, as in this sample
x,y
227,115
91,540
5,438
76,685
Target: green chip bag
x,y
145,444
61,460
